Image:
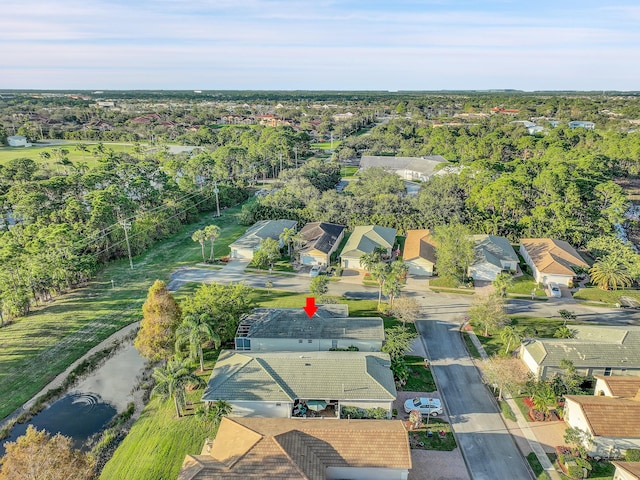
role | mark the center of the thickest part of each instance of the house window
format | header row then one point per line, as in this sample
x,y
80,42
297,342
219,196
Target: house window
x,y
299,340
310,340
607,372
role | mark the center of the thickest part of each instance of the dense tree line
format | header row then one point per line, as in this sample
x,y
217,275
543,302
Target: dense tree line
x,y
67,226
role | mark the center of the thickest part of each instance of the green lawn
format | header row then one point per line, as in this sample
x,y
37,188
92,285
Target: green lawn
x,y
156,444
420,378
470,345
523,408
349,171
420,439
537,467
524,285
538,327
74,155
325,145
38,347
610,297
506,411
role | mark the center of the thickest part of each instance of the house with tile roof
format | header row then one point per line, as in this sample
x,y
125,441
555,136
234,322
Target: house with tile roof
x,y
491,256
291,330
420,252
280,384
245,246
407,168
320,240
297,449
551,261
363,240
614,423
626,470
594,350
617,386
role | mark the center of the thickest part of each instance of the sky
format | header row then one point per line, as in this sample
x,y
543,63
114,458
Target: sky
x,y
320,44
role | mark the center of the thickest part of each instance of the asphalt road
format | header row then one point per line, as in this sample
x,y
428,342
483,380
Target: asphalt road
x,y
487,447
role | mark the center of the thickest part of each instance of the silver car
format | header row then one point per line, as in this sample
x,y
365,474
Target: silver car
x,y
426,406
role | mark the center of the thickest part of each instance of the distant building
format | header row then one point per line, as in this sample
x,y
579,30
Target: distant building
x,y
407,168
582,124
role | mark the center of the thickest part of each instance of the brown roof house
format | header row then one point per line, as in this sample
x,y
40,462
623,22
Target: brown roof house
x,y
551,261
420,252
627,471
320,239
624,386
614,423
297,449
594,350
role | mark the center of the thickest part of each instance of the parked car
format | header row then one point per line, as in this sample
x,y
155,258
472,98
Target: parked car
x,y
426,406
555,290
315,271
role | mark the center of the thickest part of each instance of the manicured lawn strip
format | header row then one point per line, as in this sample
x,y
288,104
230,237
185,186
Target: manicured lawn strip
x,y
457,291
523,408
506,411
420,378
326,145
442,283
38,347
610,297
156,445
470,346
537,467
602,470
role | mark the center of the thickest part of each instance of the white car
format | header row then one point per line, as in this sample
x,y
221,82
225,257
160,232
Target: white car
x,y
315,271
555,290
426,406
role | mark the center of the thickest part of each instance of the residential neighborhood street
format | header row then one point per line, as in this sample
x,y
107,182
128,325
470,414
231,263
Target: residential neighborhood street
x,y
488,449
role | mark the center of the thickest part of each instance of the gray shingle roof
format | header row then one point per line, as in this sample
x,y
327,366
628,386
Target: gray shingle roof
x,y
320,236
593,346
492,249
262,230
285,376
294,323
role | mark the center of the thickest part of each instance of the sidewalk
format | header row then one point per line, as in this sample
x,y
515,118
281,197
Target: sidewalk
x,y
523,425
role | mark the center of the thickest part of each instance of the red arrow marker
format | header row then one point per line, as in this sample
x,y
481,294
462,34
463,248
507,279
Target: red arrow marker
x,y
310,307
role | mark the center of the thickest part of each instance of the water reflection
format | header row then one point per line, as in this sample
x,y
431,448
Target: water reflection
x,y
77,415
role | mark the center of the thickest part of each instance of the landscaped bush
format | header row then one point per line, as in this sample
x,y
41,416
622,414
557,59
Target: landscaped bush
x,y
632,455
377,413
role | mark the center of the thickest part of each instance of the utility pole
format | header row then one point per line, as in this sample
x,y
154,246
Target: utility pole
x,y
216,190
295,150
126,226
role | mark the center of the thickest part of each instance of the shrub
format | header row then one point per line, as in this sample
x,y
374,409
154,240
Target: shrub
x,y
632,455
352,412
377,413
573,469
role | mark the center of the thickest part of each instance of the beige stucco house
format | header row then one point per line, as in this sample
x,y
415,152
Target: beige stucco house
x,y
420,252
551,261
626,471
298,449
492,255
245,246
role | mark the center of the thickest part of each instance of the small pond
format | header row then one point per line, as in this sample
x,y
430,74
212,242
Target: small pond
x,y
76,415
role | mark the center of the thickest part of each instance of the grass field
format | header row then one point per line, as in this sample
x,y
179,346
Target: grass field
x,y
325,145
74,155
40,346
420,378
524,285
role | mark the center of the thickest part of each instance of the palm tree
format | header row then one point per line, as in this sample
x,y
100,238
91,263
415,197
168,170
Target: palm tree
x,y
509,335
563,332
609,273
200,236
212,232
543,398
287,237
213,412
502,282
172,379
194,331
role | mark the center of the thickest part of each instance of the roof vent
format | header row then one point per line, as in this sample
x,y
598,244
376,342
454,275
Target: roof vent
x,y
307,364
